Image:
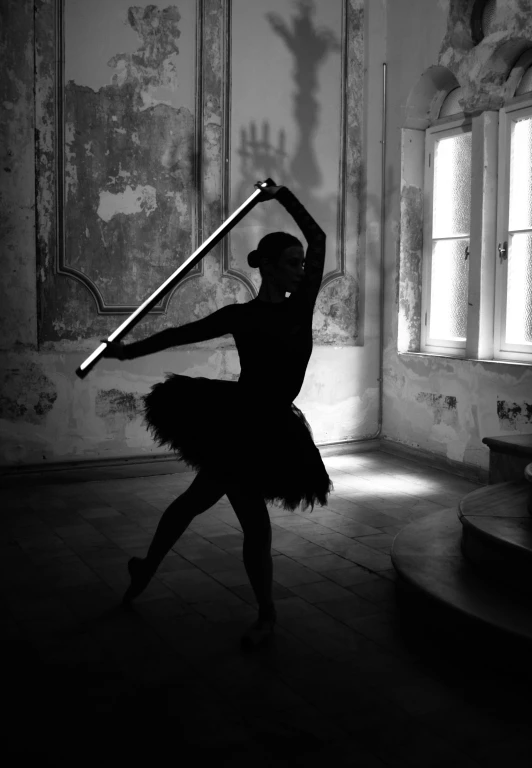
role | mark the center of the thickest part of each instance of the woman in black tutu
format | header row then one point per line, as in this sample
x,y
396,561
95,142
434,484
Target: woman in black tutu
x,y
247,439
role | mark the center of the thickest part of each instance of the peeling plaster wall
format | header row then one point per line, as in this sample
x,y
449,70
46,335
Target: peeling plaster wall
x,y
18,315
442,405
129,163
133,207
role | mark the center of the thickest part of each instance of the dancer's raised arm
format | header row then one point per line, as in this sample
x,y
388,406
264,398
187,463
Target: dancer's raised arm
x,y
314,235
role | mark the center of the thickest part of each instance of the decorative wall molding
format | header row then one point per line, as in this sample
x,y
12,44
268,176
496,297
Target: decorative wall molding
x,y
61,265
227,270
211,171
342,165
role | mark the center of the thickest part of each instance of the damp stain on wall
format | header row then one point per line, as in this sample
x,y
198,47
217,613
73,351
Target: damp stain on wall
x,y
118,409
113,402
26,394
443,407
336,316
514,415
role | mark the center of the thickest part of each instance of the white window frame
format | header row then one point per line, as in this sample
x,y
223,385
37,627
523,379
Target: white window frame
x,y
503,351
437,131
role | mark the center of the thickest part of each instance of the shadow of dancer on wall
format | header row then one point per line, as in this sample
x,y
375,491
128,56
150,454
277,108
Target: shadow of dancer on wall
x,y
263,155
310,48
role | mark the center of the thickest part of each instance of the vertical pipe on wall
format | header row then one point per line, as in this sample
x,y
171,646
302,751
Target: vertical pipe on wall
x,y
382,270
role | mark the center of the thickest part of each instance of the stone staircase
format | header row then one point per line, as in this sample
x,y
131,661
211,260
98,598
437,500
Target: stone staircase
x,y
464,576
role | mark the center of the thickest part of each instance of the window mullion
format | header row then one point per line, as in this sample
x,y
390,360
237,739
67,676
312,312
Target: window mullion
x,y
481,284
427,235
502,231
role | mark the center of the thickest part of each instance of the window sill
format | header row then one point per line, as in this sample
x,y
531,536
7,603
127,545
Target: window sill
x,y
464,359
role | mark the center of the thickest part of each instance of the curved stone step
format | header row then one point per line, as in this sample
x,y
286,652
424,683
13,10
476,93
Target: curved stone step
x,y
497,533
528,478
437,584
509,455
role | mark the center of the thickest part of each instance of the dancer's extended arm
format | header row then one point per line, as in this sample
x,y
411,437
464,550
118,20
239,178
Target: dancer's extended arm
x,y
217,324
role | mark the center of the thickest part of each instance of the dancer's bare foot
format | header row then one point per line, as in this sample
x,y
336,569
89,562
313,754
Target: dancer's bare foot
x,y
140,578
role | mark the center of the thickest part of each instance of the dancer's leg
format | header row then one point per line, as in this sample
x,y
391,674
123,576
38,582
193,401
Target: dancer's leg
x,y
252,514
204,491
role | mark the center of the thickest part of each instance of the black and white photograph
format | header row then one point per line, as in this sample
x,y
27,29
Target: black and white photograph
x,y
266,383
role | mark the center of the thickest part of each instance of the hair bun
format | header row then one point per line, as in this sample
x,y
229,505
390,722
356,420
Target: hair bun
x,y
253,259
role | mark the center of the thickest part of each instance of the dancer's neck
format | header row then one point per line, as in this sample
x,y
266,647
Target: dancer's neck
x,y
270,294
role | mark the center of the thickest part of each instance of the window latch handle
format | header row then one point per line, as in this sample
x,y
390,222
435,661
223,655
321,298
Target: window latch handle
x,y
503,251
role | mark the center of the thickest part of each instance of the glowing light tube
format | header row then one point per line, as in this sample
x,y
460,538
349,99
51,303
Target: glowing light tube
x,y
174,278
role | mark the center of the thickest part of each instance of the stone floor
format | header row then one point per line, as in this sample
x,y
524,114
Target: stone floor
x,y
85,679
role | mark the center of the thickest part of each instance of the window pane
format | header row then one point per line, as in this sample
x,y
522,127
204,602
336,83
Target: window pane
x,y
452,186
519,303
521,175
448,292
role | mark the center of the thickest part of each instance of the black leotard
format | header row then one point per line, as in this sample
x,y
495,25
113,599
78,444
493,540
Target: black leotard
x,y
274,340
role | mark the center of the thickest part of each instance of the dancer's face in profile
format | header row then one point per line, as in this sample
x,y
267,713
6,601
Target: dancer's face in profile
x,y
287,272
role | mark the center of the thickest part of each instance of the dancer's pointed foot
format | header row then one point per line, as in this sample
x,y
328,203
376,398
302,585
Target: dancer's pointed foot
x,y
140,578
259,634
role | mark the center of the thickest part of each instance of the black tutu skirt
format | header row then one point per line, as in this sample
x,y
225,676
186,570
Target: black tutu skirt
x,y
266,446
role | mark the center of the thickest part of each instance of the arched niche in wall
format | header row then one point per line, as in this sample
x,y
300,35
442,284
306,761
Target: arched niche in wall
x,y
519,81
503,59
435,96
489,79
427,96
486,18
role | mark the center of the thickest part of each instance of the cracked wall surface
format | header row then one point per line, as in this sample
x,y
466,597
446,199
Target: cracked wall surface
x,y
141,180
27,394
128,169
